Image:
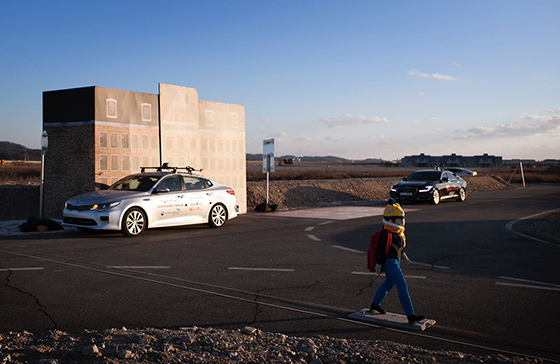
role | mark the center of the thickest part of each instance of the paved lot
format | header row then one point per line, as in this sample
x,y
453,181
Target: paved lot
x,y
302,274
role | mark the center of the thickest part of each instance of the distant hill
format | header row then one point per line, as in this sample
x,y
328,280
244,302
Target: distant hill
x,y
13,151
319,159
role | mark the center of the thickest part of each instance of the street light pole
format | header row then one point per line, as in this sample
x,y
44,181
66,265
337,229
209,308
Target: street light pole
x,y
44,146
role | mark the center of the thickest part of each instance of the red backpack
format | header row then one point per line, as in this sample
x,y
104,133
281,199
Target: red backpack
x,y
374,248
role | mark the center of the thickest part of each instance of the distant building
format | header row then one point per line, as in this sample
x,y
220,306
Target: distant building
x,y
452,160
98,135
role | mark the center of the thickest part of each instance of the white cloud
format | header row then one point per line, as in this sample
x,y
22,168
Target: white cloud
x,y
279,134
337,121
333,137
426,120
528,126
433,76
265,120
420,94
553,111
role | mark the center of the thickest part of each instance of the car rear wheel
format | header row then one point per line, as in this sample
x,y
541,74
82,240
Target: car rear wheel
x,y
462,195
435,197
134,222
218,216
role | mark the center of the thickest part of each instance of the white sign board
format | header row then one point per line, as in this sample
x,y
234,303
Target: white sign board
x,y
268,155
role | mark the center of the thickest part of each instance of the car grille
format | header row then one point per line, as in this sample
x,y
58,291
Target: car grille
x,y
78,221
78,207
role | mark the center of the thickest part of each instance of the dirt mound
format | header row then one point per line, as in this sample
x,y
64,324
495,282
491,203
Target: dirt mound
x,y
312,193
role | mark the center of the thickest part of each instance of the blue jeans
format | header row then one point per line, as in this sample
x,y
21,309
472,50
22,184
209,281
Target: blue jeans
x,y
394,277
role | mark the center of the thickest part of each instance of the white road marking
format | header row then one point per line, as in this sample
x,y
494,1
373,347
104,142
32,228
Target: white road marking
x,y
348,249
382,274
309,228
527,286
428,265
509,226
529,281
335,212
138,267
313,237
262,269
20,269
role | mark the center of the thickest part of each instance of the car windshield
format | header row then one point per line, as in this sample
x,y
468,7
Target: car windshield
x,y
135,183
424,176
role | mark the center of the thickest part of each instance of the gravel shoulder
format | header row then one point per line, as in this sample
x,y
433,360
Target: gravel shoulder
x,y
249,345
208,345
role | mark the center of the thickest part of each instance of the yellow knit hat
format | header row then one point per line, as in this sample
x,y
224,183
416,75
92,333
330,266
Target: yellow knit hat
x,y
393,209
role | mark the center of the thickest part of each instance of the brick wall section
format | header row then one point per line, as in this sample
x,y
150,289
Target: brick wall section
x,y
19,202
69,166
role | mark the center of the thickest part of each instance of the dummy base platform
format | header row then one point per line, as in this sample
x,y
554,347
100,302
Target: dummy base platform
x,y
391,319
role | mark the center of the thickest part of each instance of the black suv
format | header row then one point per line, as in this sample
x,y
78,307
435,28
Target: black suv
x,y
430,185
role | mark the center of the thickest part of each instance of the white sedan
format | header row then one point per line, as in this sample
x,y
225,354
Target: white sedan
x,y
149,200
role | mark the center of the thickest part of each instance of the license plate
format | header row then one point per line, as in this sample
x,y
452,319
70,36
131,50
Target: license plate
x,y
406,193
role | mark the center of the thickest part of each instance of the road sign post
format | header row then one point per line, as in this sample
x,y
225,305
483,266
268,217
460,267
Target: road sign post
x,y
44,147
268,162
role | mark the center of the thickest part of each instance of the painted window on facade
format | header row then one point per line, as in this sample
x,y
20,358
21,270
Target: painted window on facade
x,y
103,140
111,105
114,163
103,162
209,118
125,141
114,140
146,112
125,163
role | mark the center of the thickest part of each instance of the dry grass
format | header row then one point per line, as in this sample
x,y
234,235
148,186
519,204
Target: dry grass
x,y
20,172
303,174
533,175
29,172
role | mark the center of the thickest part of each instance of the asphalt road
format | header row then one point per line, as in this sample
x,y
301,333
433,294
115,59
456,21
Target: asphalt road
x,y
490,289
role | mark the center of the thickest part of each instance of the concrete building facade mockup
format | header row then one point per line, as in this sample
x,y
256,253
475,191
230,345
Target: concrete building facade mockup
x,y
98,135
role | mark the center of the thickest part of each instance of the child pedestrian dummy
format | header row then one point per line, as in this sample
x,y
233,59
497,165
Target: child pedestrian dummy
x,y
393,223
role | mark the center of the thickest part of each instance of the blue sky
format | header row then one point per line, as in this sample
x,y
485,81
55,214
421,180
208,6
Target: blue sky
x,y
355,79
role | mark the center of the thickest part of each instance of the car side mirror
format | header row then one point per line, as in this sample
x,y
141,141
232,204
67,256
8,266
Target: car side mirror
x,y
445,179
404,178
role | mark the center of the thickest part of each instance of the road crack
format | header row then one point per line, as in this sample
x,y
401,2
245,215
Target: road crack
x,y
42,308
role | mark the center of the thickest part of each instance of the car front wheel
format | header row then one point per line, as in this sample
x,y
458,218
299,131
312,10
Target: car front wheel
x,y
134,222
218,216
435,197
462,195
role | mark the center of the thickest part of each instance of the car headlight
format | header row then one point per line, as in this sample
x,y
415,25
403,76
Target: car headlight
x,y
105,206
426,189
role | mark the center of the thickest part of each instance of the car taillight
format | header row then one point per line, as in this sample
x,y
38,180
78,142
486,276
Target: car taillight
x,y
231,192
